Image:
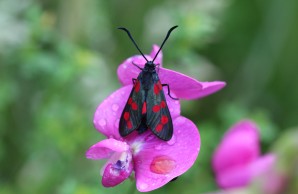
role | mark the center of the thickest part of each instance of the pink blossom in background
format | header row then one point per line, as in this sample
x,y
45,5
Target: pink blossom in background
x,y
154,161
237,159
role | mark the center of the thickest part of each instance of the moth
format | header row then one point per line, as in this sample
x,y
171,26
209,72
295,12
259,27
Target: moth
x,y
146,107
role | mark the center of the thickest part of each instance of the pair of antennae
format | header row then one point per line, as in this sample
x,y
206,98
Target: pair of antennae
x,y
167,36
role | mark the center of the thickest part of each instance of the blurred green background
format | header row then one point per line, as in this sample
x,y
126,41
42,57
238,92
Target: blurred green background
x,y
58,61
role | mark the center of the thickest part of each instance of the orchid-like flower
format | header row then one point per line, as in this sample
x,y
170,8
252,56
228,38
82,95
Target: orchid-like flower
x,y
154,161
237,160
181,85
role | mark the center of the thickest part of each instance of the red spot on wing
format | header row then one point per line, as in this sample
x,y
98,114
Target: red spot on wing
x,y
126,116
134,106
163,104
164,119
144,108
155,108
137,86
159,127
129,101
157,87
128,124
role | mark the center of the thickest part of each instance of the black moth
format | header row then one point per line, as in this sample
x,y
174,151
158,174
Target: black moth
x,y
146,107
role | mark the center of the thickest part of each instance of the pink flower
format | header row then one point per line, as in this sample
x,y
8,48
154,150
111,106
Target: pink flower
x,y
181,85
237,160
155,162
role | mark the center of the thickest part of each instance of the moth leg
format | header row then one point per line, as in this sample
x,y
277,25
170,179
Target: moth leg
x,y
134,81
137,66
169,91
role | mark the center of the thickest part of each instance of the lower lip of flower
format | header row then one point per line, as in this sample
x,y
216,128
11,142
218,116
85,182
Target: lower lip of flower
x,y
117,169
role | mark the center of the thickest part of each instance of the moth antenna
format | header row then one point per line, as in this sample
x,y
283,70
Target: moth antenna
x,y
128,33
166,38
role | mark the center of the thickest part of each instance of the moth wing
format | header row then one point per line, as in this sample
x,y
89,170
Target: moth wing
x,y
158,117
132,113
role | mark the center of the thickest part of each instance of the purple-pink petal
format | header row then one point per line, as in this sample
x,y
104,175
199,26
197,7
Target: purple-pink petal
x,y
240,176
127,71
244,127
158,59
183,86
114,174
186,87
157,162
107,115
105,148
239,147
237,161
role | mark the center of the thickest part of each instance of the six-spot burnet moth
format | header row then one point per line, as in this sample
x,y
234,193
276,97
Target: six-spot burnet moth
x,y
146,107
